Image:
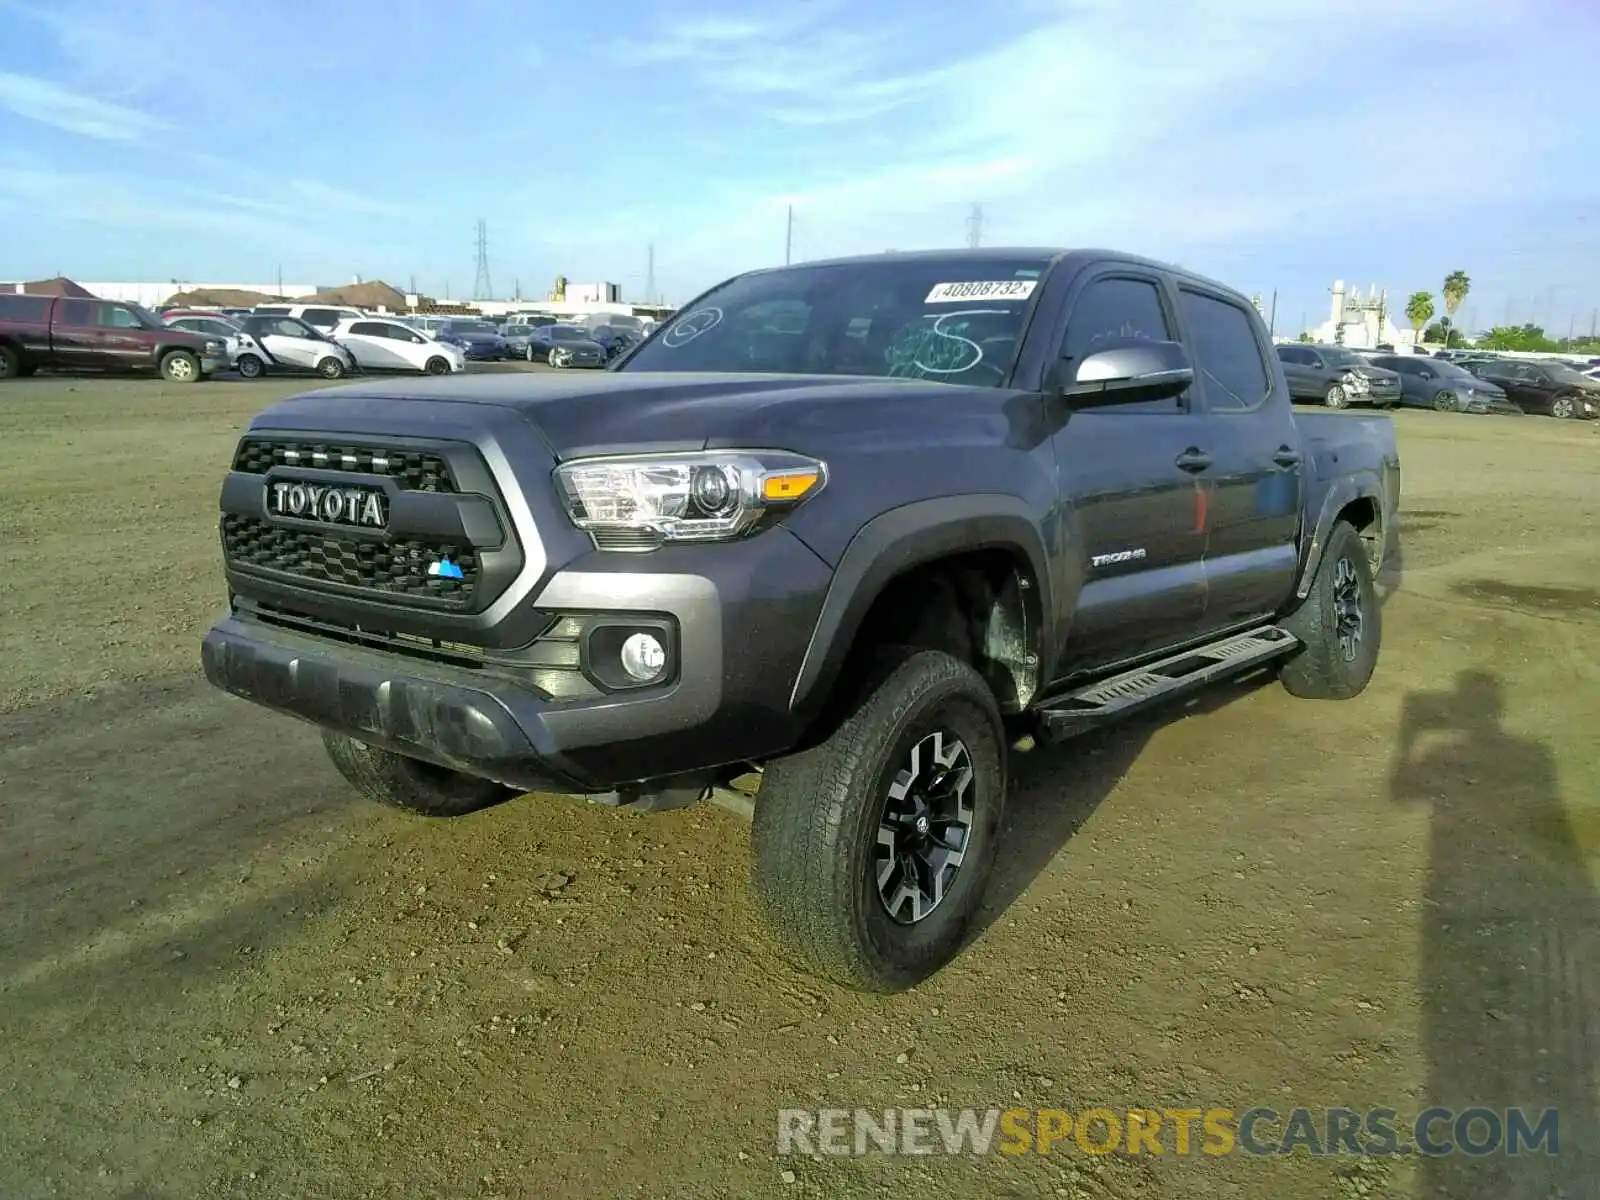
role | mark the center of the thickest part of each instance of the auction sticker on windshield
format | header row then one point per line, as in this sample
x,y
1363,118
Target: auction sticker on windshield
x,y
998,289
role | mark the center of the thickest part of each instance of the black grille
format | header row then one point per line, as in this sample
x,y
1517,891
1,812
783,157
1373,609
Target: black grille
x,y
413,470
396,566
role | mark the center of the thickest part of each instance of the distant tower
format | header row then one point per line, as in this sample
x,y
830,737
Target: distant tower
x,y
650,277
975,226
482,289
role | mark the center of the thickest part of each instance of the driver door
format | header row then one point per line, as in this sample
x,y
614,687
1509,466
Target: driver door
x,y
292,343
1131,483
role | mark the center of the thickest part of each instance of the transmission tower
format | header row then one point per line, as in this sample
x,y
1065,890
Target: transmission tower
x,y
650,277
482,289
975,226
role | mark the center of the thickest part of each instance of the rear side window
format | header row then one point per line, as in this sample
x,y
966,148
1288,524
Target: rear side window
x,y
326,317
369,329
1227,352
24,308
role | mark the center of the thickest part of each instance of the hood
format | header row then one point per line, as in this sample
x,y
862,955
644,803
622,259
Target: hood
x,y
474,335
1368,371
580,344
670,411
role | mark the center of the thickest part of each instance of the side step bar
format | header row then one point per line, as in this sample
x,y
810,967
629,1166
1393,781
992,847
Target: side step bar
x,y
1112,699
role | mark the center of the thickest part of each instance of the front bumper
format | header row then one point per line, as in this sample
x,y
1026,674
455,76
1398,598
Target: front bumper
x,y
212,363
739,618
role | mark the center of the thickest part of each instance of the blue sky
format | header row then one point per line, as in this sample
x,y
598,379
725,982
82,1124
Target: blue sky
x,y
1274,145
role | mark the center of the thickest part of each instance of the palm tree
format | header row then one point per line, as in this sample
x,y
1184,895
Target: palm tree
x,y
1456,287
1419,311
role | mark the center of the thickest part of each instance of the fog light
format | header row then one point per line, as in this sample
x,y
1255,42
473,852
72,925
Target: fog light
x,y
643,657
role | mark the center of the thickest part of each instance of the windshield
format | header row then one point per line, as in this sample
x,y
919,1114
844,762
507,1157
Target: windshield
x,y
1343,358
1449,370
568,333
151,321
956,320
1562,373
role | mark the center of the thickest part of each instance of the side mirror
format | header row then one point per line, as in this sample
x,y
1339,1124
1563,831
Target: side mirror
x,y
1132,371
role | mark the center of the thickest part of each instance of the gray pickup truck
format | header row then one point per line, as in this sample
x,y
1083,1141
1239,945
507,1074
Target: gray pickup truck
x,y
835,538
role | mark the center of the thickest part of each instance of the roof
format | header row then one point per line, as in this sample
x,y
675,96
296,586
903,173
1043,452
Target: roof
x,y
59,286
376,294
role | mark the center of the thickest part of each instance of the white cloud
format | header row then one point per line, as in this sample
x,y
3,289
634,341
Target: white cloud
x,y
51,104
1216,122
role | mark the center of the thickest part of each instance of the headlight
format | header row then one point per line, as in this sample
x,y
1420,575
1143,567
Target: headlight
x,y
714,496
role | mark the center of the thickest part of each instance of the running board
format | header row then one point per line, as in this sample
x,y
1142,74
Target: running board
x,y
1110,700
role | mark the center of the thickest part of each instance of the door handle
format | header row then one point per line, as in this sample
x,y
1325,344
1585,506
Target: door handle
x,y
1286,457
1194,460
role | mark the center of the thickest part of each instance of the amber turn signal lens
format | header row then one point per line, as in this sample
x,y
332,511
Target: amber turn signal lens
x,y
789,486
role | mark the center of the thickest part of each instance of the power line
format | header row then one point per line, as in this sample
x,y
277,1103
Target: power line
x,y
975,226
482,289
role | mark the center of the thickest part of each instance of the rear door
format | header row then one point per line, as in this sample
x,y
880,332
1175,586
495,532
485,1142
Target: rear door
x,y
1131,504
1294,360
1251,506
369,342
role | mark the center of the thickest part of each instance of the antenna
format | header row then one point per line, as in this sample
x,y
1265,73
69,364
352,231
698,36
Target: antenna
x,y
482,289
975,226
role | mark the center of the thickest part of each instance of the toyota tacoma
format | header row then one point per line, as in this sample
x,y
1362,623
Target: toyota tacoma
x,y
831,542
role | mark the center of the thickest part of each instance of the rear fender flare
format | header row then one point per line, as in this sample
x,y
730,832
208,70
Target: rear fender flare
x,y
1365,484
898,541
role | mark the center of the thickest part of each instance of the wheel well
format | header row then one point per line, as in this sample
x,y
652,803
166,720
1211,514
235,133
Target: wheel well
x,y
981,606
1363,514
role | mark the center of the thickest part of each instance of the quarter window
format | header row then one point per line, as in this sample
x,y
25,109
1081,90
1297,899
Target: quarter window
x,y
1227,352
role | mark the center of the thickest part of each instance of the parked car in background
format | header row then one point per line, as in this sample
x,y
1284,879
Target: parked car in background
x,y
391,346
615,342
478,340
1553,389
566,346
1337,377
68,333
519,341
211,325
322,317
517,320
289,344
1444,387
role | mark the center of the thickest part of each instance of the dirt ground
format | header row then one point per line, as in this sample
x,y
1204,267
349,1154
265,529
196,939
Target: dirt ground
x,y
223,974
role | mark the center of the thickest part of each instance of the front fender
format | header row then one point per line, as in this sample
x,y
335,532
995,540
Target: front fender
x,y
897,541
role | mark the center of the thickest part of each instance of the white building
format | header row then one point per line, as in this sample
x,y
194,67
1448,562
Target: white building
x,y
1362,321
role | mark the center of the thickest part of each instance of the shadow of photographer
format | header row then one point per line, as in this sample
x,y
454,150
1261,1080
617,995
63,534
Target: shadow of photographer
x,y
1509,975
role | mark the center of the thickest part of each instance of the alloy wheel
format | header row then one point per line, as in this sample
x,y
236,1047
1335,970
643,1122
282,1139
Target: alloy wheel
x,y
925,828
1347,614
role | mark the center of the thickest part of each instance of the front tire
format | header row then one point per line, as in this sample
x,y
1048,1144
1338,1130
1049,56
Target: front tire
x,y
1340,624
872,850
554,358
1564,408
527,353
330,368
179,366
437,366
1444,401
10,363
1336,397
409,783
250,367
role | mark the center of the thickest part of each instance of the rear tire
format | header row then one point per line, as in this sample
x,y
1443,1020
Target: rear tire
x,y
833,846
179,366
1340,624
330,368
437,366
409,783
250,367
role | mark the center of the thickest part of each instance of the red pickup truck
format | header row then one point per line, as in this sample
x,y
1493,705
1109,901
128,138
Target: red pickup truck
x,y
67,333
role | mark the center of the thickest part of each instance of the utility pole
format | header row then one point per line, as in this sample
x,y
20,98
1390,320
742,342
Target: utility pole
x,y
1594,322
280,279
650,275
788,237
1303,325
1272,319
481,287
975,226
412,286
